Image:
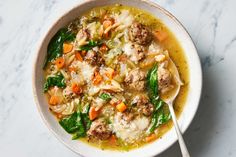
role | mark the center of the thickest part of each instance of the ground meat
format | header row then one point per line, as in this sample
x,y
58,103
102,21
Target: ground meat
x,y
143,104
140,34
99,130
94,58
134,51
164,79
136,79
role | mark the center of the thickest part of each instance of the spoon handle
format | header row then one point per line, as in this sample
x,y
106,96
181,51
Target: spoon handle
x,y
182,144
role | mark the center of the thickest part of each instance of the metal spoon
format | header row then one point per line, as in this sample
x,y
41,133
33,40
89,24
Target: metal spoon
x,y
169,101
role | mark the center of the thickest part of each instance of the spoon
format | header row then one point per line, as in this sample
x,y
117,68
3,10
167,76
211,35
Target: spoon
x,y
169,101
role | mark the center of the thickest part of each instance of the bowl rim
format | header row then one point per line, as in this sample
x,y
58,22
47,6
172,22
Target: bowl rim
x,y
68,10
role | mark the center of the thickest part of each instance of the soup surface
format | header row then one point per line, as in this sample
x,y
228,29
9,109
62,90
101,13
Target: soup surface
x,y
106,74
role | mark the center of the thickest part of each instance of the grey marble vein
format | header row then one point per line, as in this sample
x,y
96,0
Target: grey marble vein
x,y
211,24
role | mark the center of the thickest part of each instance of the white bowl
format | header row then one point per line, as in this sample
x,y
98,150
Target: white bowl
x,y
186,116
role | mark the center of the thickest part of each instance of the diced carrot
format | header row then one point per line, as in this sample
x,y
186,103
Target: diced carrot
x,y
83,52
76,88
106,35
93,113
71,69
67,47
107,23
113,140
122,58
97,78
58,115
161,35
151,138
78,56
103,48
54,100
110,74
60,62
121,107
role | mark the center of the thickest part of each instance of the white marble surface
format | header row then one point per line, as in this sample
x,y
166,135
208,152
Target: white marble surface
x,y
212,25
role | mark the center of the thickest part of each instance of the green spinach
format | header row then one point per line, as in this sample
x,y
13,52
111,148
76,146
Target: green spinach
x,y
55,46
105,96
77,123
159,116
57,80
87,121
90,45
74,125
152,82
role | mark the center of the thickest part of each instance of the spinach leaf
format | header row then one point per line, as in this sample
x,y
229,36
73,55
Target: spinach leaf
x,y
74,124
159,117
81,131
55,46
152,82
70,123
78,123
90,45
105,96
57,80
87,121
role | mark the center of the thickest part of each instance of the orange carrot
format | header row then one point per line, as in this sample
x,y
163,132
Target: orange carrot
x,y
151,138
93,113
67,47
121,107
110,74
83,52
97,78
161,35
113,140
71,69
103,48
78,56
60,62
76,88
107,23
58,115
54,100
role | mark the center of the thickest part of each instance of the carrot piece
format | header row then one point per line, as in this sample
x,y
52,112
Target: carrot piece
x,y
113,140
106,35
121,107
161,35
103,48
71,69
97,78
83,52
107,23
76,88
60,62
54,100
78,56
93,113
122,58
110,74
67,47
150,138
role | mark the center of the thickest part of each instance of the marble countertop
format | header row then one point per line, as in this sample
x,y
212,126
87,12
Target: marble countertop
x,y
212,25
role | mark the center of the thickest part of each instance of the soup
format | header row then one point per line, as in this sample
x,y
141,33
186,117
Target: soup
x,y
106,74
